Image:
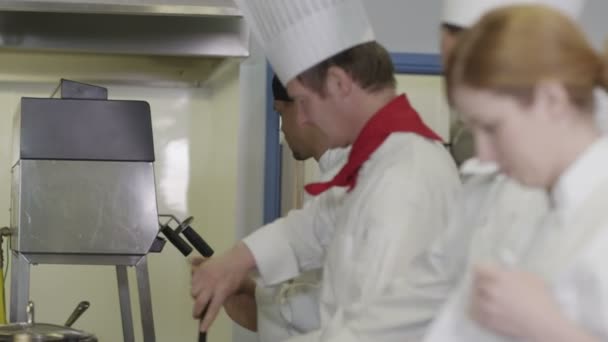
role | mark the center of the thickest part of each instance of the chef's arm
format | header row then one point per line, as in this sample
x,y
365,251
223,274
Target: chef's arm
x,y
293,244
279,251
242,307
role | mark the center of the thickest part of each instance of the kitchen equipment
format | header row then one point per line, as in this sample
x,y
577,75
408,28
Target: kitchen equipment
x,y
80,309
201,246
196,240
184,227
42,332
5,232
83,193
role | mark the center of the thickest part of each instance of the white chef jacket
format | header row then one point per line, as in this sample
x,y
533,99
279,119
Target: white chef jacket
x,y
292,308
568,250
397,208
489,205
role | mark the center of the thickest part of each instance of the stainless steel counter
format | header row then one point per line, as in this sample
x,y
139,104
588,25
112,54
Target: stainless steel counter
x,y
133,7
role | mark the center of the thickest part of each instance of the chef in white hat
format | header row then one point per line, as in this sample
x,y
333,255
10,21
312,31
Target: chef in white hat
x,y
389,200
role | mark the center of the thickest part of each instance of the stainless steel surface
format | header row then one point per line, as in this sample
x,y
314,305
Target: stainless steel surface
x,y
139,7
41,332
32,331
16,136
31,312
94,208
78,311
145,300
125,304
82,259
15,208
20,288
191,31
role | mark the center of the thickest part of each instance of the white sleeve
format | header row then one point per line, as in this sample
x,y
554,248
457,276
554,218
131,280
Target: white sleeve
x,y
295,243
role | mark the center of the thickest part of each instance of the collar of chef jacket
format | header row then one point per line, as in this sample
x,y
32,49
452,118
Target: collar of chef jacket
x,y
474,167
580,179
331,162
397,116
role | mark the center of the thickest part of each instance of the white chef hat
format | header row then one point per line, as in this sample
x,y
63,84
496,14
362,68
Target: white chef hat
x,y
465,13
299,34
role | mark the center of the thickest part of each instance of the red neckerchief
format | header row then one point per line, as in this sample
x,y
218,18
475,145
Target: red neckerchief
x,y
397,116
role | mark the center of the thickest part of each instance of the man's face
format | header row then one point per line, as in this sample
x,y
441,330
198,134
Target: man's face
x,y
298,136
322,111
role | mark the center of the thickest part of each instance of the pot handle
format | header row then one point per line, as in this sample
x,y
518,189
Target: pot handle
x,y
30,313
80,309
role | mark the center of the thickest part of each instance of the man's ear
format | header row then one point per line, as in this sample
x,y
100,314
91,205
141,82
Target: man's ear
x,y
339,82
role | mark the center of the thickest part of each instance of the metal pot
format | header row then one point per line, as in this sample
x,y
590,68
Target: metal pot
x,y
42,332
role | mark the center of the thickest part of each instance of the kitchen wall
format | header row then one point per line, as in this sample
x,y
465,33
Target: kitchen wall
x,y
413,25
195,131
426,94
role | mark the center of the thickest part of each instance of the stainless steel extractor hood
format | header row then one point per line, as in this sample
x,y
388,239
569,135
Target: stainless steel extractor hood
x,y
185,28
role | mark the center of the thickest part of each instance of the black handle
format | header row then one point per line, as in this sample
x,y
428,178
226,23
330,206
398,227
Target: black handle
x,y
201,246
176,240
158,245
80,309
197,241
202,336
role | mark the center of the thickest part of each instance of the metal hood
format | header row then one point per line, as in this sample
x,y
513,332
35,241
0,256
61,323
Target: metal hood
x,y
182,28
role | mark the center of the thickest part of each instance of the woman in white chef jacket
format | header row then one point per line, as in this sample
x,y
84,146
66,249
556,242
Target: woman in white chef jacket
x,y
491,209
524,80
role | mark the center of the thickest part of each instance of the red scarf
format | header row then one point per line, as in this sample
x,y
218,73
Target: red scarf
x,y
397,116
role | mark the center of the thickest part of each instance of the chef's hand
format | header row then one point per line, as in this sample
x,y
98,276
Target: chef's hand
x,y
513,303
195,262
241,306
215,279
247,287
519,304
